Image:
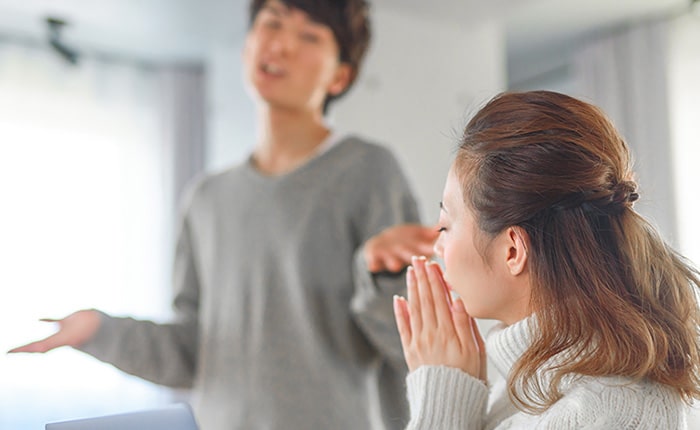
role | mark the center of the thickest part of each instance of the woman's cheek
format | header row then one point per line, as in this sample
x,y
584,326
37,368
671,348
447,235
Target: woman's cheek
x,y
450,268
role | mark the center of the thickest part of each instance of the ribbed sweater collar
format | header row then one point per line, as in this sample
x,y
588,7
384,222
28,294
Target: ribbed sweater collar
x,y
505,344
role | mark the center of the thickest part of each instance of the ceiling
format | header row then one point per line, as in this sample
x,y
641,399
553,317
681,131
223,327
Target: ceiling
x,y
159,30
183,30
547,23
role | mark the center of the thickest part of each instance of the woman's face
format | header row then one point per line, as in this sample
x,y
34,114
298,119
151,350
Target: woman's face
x,y
484,282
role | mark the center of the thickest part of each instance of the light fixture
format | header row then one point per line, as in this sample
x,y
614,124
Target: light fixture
x,y
55,27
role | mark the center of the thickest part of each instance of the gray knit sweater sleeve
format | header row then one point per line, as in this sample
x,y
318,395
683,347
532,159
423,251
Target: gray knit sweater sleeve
x,y
391,202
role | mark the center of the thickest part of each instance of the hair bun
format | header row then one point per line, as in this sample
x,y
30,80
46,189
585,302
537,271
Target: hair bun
x,y
625,193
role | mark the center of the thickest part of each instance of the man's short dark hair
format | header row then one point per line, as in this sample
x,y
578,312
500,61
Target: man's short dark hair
x,y
347,19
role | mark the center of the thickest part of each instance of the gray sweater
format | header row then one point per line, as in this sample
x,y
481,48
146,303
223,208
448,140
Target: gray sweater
x,y
278,322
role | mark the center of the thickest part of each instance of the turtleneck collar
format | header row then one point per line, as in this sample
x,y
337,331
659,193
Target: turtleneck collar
x,y
505,344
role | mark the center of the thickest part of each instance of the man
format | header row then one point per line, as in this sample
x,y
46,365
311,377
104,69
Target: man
x,y
283,279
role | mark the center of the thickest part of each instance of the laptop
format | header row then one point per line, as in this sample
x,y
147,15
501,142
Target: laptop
x,y
177,416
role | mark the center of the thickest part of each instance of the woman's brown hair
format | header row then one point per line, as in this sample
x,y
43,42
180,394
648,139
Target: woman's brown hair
x,y
609,296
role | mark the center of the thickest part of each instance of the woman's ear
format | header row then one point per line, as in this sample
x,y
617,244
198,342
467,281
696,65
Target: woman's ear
x,y
341,80
518,242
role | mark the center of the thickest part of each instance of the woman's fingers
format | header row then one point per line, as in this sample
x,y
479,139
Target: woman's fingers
x,y
402,318
442,308
448,293
425,294
435,330
416,321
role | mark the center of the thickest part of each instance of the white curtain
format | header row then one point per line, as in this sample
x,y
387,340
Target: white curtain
x,y
89,174
625,73
183,112
646,78
685,110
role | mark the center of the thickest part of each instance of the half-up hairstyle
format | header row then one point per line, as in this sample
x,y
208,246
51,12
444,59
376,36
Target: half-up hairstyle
x,y
609,296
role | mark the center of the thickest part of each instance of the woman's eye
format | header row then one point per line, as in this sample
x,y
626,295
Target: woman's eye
x,y
441,229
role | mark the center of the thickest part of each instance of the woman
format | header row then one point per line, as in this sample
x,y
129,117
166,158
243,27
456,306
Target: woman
x,y
599,317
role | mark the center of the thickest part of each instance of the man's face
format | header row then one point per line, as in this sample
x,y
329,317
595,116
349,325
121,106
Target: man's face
x,y
292,61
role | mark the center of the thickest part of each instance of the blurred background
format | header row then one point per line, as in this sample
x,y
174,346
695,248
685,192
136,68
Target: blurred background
x,y
107,109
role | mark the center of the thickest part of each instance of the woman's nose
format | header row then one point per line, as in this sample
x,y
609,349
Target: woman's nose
x,y
437,247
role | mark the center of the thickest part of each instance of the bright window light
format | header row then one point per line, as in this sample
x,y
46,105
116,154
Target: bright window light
x,y
86,210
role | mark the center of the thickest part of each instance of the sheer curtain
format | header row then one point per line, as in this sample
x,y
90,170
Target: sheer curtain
x,y
625,73
646,77
684,71
88,168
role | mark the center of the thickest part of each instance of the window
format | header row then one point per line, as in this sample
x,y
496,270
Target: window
x,y
684,73
86,222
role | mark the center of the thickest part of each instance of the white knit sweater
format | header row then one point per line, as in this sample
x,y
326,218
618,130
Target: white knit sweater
x,y
443,398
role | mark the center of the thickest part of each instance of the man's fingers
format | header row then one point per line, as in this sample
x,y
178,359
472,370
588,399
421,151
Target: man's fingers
x,y
417,248
429,233
374,265
43,345
390,260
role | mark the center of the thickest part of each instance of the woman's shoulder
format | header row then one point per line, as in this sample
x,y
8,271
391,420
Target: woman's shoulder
x,y
620,389
623,403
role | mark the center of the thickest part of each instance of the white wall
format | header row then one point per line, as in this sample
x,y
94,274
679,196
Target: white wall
x,y
420,81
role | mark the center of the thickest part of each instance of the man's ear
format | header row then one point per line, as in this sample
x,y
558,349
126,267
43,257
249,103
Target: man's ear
x,y
518,245
341,80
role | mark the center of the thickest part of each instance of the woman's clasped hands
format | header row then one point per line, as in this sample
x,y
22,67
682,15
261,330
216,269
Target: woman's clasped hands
x,y
435,329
